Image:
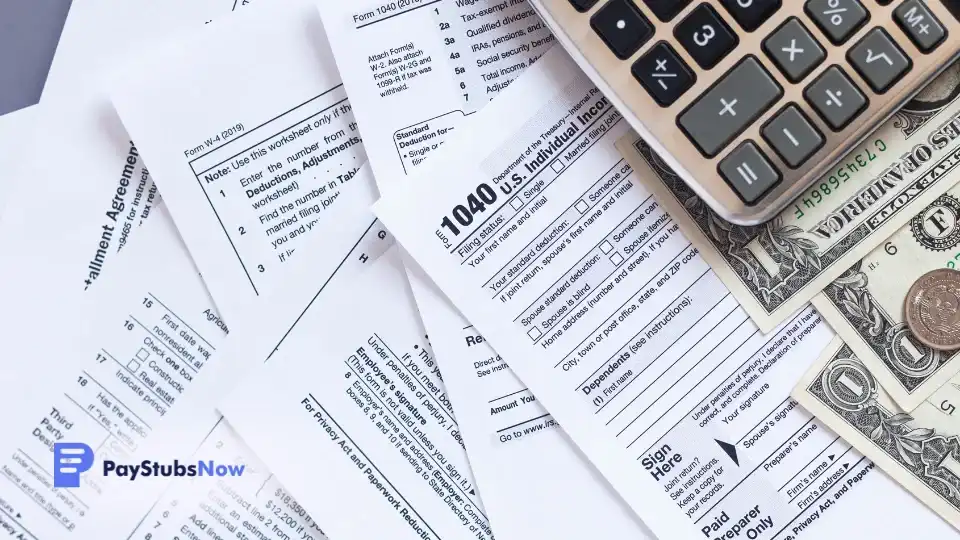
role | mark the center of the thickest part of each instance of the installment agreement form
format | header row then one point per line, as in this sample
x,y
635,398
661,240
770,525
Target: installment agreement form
x,y
414,74
546,242
250,138
137,376
352,415
79,206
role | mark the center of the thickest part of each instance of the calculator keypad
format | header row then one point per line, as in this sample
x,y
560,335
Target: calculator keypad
x,y
622,27
663,74
838,19
793,136
725,110
666,10
767,93
750,14
582,6
794,50
749,172
923,28
835,98
705,36
878,60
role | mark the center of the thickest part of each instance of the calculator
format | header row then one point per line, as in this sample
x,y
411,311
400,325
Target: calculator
x,y
752,101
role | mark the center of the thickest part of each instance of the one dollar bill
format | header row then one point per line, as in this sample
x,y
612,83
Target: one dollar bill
x,y
919,449
775,268
865,304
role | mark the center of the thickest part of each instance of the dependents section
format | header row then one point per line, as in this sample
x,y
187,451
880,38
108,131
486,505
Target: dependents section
x,y
269,184
145,361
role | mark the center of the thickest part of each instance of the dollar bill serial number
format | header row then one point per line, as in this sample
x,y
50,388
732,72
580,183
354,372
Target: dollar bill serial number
x,y
846,170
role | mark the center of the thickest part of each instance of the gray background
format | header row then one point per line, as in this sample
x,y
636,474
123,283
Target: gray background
x,y
29,31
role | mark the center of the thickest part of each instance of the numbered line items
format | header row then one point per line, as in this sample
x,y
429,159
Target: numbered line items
x,y
248,175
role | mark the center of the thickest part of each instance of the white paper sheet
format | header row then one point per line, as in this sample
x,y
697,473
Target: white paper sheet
x,y
100,384
249,144
71,170
587,289
142,367
15,129
355,387
403,123
415,70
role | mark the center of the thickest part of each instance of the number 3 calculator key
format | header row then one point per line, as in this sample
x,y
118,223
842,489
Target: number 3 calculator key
x,y
878,60
725,110
705,36
663,74
838,19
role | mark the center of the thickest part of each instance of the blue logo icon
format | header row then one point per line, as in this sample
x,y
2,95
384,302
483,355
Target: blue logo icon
x,y
69,460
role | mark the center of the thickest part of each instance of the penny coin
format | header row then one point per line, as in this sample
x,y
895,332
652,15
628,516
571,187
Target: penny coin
x,y
932,309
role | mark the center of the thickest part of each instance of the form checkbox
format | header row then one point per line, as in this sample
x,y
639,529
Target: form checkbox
x,y
534,333
516,203
582,206
606,247
133,365
616,259
142,355
557,166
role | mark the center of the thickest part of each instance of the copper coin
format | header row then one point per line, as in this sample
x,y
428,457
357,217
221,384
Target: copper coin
x,y
932,309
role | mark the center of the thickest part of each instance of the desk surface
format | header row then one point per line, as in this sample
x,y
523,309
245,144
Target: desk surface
x,y
29,32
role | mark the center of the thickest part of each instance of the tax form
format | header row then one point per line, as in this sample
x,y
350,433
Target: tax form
x,y
140,381
79,201
248,151
352,414
411,89
553,249
414,69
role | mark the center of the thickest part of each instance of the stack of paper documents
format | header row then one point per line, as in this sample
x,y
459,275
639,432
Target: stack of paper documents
x,y
304,270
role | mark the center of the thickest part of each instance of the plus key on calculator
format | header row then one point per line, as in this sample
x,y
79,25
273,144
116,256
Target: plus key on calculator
x,y
751,101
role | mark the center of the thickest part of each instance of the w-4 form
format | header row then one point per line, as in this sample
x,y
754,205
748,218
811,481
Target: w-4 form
x,y
414,69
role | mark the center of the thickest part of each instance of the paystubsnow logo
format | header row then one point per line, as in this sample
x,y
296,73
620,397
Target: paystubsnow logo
x,y
72,459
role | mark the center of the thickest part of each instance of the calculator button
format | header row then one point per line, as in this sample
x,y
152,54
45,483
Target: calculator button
x,y
924,29
795,52
835,98
878,60
705,36
749,172
582,5
666,10
621,27
793,136
750,14
838,19
663,74
725,110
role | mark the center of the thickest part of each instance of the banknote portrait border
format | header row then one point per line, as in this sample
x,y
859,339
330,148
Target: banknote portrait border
x,y
891,436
